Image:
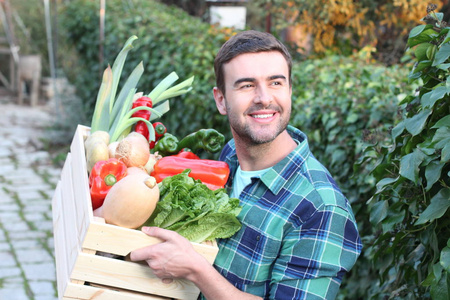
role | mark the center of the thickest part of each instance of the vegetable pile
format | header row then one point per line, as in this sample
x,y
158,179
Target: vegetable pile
x,y
139,173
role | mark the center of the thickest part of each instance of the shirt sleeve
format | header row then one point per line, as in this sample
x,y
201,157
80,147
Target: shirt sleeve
x,y
315,256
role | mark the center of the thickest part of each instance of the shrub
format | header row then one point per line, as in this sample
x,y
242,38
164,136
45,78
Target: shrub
x,y
337,100
410,252
340,102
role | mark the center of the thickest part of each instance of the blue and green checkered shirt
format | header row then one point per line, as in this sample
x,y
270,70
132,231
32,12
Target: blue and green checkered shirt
x,y
299,236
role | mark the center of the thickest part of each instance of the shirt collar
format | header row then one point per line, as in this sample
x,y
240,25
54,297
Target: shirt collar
x,y
277,176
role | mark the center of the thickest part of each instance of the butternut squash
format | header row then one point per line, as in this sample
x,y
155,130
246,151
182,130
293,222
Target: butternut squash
x,y
131,201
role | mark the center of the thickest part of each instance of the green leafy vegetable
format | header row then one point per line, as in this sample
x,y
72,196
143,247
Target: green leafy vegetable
x,y
190,208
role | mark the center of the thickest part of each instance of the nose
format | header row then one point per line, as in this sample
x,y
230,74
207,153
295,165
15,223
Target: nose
x,y
263,96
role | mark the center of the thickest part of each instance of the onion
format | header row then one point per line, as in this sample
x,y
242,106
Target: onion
x,y
149,166
133,150
112,149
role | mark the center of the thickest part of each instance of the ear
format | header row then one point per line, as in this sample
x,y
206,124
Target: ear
x,y
220,101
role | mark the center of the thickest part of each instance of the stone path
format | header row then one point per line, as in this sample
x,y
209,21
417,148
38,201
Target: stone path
x,y
27,183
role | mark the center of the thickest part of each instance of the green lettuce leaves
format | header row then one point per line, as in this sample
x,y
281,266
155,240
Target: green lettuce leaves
x,y
190,208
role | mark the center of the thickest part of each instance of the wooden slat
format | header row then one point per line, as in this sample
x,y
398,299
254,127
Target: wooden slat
x,y
84,292
62,272
121,241
131,276
83,206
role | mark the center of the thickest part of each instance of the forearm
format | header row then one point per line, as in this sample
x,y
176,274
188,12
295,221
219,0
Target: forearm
x,y
214,286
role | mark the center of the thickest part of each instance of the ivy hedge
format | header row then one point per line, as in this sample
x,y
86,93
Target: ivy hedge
x,y
410,209
344,104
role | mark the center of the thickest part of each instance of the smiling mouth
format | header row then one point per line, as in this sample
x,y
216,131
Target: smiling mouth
x,y
263,116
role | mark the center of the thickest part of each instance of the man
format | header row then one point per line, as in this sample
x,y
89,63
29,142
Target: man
x,y
298,235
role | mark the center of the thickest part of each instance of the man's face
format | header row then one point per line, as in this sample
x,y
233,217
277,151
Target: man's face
x,y
257,96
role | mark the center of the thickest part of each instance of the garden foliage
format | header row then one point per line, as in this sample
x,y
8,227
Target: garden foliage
x,y
410,251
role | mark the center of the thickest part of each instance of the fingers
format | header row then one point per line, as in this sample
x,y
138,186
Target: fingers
x,y
146,252
161,233
139,254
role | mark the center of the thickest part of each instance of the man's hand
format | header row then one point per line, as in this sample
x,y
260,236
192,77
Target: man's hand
x,y
173,258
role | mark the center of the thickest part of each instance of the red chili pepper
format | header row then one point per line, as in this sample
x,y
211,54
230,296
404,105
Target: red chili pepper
x,y
104,175
141,127
213,173
160,130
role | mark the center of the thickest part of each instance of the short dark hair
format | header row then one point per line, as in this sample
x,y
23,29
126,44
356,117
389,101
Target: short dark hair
x,y
250,41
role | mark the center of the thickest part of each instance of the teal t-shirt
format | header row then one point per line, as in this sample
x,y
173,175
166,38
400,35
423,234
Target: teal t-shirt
x,y
244,178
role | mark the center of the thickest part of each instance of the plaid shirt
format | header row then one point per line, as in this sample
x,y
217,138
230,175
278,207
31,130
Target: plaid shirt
x,y
298,237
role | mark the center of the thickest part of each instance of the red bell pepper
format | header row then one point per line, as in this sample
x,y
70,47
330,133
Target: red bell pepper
x,y
186,153
104,175
141,127
212,173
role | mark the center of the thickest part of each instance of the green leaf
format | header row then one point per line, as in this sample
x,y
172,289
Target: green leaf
x,y
100,118
176,90
381,185
445,154
444,67
430,98
118,67
398,130
425,34
416,31
409,165
162,108
447,37
445,121
416,124
394,217
162,86
440,290
436,94
378,212
442,55
352,118
421,51
437,208
421,66
441,137
445,258
130,84
433,173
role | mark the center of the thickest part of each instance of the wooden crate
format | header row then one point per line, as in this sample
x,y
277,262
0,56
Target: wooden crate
x,y
81,241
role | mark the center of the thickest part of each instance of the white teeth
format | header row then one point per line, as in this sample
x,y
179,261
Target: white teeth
x,y
262,116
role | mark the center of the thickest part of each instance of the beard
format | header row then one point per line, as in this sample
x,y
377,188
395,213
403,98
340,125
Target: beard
x,y
254,134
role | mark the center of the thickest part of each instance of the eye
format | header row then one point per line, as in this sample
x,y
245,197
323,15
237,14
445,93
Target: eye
x,y
246,86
